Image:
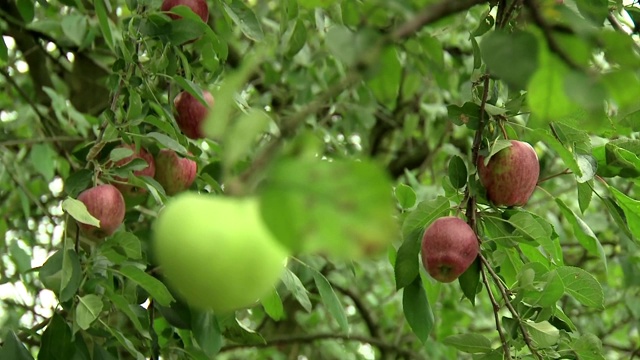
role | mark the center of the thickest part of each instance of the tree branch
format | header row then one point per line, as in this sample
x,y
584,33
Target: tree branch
x,y
311,338
432,14
547,31
496,315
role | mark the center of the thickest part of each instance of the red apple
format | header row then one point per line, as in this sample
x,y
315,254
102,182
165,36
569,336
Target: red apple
x,y
174,173
511,174
449,247
106,204
150,170
191,113
199,7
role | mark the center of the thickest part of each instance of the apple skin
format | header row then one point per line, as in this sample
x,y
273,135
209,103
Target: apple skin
x,y
106,204
215,252
511,175
197,6
449,247
191,113
150,170
174,173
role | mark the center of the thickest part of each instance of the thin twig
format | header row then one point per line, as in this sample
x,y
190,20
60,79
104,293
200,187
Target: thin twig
x,y
506,295
496,315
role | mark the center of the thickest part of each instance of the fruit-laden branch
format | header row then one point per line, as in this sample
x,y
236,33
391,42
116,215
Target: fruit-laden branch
x,y
311,338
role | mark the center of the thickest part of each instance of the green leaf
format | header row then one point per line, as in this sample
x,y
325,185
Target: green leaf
x,y
42,157
294,285
406,267
548,290
582,286
588,347
296,38
385,84
272,305
468,114
543,333
127,244
496,147
57,342
77,182
406,196
317,3
4,52
19,257
331,301
12,348
245,19
241,136
79,212
501,50
103,20
120,153
594,10
168,142
184,30
207,332
583,233
469,343
631,209
344,208
235,331
417,310
585,194
156,289
424,215
74,26
123,305
88,310
567,156
588,167
62,274
457,172
26,10
469,281
547,98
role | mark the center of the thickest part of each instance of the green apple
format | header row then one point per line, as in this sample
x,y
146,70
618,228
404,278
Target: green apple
x,y
216,252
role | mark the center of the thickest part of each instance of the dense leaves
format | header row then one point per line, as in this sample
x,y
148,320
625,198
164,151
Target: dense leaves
x,y
356,124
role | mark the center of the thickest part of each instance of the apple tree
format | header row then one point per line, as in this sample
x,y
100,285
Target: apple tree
x,y
319,179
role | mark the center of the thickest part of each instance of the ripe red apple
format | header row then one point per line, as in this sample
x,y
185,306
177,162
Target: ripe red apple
x,y
511,174
150,170
449,247
106,204
197,6
174,173
191,113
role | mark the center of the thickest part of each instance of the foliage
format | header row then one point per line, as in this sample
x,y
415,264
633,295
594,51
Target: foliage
x,y
408,90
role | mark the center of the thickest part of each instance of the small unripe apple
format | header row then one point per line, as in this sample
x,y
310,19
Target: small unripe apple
x,y
511,175
215,252
106,204
449,247
174,173
199,7
149,170
191,113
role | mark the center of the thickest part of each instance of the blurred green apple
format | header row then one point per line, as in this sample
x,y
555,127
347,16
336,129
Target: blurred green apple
x,y
216,252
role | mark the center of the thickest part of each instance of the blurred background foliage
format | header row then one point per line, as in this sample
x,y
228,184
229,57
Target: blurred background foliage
x,y
404,84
